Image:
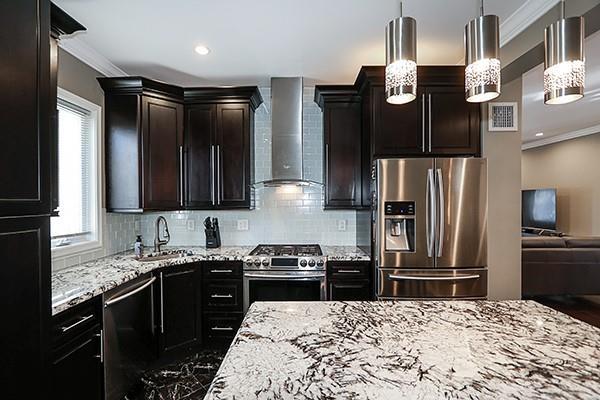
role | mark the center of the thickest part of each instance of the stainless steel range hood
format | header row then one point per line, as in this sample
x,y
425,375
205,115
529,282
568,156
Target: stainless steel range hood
x,y
287,136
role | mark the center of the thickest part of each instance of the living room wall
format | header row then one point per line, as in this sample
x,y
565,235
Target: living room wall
x,y
573,168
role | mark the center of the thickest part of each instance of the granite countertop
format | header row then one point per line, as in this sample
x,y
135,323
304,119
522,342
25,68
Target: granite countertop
x,y
412,350
345,253
74,285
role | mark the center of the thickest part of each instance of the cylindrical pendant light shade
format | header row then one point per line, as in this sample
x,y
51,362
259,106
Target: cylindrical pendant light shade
x,y
482,44
564,73
401,60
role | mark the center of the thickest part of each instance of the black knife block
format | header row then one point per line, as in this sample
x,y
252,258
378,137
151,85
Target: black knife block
x,y
213,235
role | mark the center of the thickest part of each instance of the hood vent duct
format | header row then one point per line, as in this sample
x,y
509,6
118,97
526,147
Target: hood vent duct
x,y
287,134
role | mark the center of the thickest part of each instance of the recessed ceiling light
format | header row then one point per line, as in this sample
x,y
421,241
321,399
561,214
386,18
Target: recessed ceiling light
x,y
539,134
202,50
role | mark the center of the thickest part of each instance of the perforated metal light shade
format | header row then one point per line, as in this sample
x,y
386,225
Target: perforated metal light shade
x,y
401,60
564,62
482,47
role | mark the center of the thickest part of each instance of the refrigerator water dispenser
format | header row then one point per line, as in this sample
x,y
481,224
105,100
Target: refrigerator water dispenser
x,y
400,226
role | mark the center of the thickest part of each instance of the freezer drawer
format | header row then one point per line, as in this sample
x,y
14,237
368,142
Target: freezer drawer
x,y
433,284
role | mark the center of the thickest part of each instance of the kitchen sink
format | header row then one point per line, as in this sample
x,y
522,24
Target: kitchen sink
x,y
165,255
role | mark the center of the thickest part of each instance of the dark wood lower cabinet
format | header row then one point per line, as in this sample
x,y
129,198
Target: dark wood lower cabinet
x,y
349,290
349,281
179,308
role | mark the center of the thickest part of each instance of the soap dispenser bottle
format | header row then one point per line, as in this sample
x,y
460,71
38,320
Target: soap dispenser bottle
x,y
138,247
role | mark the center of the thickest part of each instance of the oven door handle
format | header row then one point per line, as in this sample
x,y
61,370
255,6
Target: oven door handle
x,y
290,277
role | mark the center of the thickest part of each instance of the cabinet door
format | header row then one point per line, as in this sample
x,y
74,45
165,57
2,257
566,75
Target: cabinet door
x,y
233,155
77,369
200,134
342,134
344,290
25,299
180,308
396,128
162,130
453,124
25,104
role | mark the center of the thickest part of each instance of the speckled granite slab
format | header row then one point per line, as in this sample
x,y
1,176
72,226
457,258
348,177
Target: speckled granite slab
x,y
345,253
410,350
74,285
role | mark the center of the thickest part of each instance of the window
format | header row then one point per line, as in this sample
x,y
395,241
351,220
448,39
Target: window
x,y
77,227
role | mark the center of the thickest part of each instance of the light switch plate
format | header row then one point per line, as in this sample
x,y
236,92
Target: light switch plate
x,y
242,224
341,224
191,225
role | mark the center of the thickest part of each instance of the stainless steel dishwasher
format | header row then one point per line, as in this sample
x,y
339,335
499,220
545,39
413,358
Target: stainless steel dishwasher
x,y
130,340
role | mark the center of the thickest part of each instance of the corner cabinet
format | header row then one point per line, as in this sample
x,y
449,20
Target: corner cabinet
x,y
342,147
143,144
169,148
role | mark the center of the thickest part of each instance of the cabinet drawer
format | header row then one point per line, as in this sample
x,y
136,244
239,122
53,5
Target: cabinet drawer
x,y
222,269
347,290
221,325
72,322
348,270
223,295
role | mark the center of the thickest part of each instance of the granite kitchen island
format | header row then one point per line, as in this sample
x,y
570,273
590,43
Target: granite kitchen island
x,y
410,350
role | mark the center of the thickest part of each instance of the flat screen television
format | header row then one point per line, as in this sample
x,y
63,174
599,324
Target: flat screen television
x,y
539,209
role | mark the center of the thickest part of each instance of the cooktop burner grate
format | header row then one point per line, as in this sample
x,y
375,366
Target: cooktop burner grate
x,y
287,250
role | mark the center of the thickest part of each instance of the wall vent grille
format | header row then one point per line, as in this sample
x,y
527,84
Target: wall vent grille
x,y
503,117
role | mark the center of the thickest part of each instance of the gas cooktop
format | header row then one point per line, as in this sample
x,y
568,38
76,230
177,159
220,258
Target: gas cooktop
x,y
287,250
286,257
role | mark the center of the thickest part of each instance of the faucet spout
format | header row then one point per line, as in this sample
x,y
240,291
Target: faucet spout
x,y
157,233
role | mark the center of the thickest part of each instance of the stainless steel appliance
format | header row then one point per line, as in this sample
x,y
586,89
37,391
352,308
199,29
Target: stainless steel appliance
x,y
129,338
285,273
430,228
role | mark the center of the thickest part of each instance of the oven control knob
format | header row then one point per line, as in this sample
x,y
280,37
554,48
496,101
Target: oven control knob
x,y
257,262
303,263
249,262
311,263
320,263
265,262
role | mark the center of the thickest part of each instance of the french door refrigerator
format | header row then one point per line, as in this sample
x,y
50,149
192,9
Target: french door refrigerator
x,y
430,218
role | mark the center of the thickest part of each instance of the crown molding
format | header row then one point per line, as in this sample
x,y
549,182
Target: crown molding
x,y
79,49
524,16
562,137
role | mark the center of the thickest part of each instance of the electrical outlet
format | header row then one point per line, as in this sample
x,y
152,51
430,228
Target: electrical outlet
x,y
242,224
191,225
341,224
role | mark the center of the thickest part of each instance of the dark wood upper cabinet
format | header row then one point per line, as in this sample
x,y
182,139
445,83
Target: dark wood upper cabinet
x,y
342,150
219,142
143,144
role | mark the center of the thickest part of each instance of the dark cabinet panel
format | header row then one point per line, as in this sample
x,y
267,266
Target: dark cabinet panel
x,y
25,103
180,307
200,136
162,130
233,155
349,280
343,172
222,295
453,124
396,129
220,328
25,251
349,290
77,371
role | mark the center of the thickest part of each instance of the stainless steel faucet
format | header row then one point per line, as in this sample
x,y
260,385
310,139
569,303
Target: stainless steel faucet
x,y
157,240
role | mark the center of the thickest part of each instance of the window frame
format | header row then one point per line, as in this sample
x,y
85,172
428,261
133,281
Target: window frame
x,y
95,178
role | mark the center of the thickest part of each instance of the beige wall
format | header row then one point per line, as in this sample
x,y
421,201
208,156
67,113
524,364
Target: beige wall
x,y
573,168
503,152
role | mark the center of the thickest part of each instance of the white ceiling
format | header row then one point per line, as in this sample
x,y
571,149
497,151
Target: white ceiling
x,y
561,120
326,41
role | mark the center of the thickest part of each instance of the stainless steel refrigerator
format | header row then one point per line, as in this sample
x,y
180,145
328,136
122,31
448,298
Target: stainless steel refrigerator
x,y
430,218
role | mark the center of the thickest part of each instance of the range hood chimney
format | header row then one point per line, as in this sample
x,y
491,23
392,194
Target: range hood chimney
x,y
287,136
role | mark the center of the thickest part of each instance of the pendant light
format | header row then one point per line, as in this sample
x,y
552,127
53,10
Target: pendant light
x,y
401,60
482,46
564,61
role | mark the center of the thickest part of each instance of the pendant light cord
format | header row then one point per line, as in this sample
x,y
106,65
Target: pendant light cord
x,y
562,9
400,9
481,9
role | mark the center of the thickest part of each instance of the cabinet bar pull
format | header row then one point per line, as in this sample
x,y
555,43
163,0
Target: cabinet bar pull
x,y
423,122
181,176
221,296
101,336
81,321
219,175
212,173
429,115
349,271
162,305
221,328
221,271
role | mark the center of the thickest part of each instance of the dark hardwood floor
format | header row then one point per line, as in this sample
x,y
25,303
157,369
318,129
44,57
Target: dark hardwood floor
x,y
576,307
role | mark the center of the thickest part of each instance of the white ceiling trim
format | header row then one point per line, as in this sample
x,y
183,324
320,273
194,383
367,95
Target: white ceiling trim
x,y
524,16
562,137
91,57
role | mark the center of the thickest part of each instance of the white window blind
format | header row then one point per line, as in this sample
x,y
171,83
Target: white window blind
x,y
75,220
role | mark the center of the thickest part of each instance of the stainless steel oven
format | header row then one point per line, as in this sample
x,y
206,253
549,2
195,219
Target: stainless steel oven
x,y
284,286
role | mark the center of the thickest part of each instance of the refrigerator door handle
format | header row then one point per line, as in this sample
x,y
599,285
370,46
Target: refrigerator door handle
x,y
430,213
442,207
434,278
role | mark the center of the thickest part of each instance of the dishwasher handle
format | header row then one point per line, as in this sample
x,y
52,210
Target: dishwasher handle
x,y
131,293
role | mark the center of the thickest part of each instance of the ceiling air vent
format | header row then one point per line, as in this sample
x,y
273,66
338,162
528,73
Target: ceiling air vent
x,y
503,117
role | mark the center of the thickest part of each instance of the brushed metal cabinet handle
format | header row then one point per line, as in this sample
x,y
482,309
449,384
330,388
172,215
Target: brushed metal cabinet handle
x,y
181,176
101,336
212,173
162,305
221,271
81,321
221,328
429,115
221,296
430,213
349,271
219,175
423,122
